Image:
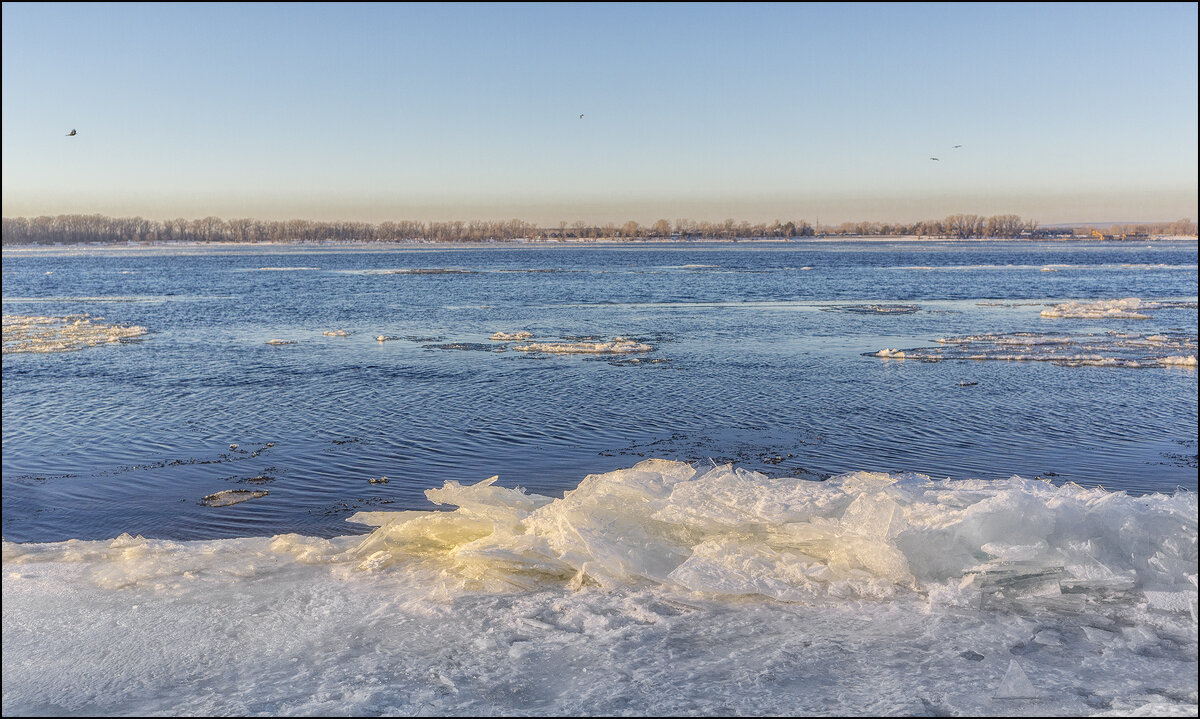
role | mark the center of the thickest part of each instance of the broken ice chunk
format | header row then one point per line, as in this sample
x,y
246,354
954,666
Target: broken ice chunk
x,y
1015,684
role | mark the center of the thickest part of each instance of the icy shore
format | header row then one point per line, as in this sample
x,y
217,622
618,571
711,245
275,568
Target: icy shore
x,y
659,589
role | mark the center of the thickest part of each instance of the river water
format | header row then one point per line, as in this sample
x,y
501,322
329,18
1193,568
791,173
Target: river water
x,y
764,355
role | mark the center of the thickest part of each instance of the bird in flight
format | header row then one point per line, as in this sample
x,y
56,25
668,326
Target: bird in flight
x,y
71,133
957,146
934,158
581,117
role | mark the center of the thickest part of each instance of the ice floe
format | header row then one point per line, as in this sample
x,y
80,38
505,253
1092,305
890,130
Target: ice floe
x,y
226,497
465,346
429,271
336,333
1188,361
874,309
1111,349
618,345
1129,308
511,336
38,334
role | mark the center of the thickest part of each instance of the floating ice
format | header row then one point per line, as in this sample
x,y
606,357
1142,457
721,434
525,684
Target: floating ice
x,y
874,309
618,345
511,336
429,271
466,346
226,497
36,334
336,333
1129,308
281,342
1112,349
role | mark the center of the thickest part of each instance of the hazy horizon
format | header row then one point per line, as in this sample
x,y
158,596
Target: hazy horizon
x,y
473,112
645,212
436,217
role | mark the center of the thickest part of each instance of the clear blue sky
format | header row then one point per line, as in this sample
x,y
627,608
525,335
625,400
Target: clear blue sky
x,y
1071,112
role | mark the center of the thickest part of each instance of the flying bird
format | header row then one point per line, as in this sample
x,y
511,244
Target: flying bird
x,y
581,117
957,146
934,158
71,133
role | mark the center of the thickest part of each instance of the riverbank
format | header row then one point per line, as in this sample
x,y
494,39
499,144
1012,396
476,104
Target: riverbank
x,y
601,242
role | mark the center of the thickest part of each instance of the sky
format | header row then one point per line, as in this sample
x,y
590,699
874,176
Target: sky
x,y
1073,112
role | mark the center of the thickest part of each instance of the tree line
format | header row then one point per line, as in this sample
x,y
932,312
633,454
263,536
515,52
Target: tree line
x,y
74,229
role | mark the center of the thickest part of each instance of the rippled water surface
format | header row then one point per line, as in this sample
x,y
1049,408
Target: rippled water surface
x,y
767,355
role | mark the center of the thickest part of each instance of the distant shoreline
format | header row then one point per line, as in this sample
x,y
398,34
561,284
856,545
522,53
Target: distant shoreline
x,y
540,243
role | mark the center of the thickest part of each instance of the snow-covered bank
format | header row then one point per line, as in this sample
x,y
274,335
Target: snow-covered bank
x,y
652,590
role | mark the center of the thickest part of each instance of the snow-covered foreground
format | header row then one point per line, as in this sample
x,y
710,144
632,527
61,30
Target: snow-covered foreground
x,y
652,590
